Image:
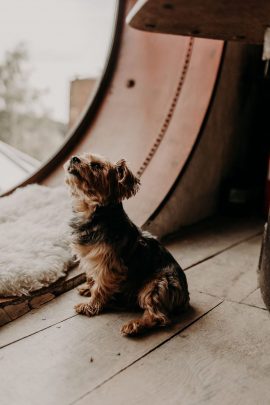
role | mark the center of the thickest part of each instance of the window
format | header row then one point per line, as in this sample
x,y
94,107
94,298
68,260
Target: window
x,y
51,54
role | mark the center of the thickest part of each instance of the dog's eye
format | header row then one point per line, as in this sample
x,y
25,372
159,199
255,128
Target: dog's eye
x,y
95,165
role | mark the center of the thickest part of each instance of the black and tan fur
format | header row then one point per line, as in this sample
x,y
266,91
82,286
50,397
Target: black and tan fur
x,y
124,265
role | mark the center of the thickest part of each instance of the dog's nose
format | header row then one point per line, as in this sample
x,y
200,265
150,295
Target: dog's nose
x,y
75,159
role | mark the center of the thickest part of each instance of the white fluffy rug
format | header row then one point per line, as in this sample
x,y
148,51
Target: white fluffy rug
x,y
34,239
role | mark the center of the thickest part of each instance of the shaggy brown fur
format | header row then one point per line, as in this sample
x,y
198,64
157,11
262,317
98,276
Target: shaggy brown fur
x,y
124,265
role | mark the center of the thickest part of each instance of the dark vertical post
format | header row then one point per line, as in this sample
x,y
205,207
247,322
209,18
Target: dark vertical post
x,y
264,266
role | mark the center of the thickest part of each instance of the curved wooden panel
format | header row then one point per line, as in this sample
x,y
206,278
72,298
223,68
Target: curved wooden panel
x,y
183,129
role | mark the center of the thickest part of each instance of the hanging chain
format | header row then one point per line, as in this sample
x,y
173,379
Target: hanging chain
x,y
170,112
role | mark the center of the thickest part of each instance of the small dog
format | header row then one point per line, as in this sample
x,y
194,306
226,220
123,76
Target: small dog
x,y
124,265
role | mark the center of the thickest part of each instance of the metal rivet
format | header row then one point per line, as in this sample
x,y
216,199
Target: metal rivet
x,y
168,6
149,25
130,83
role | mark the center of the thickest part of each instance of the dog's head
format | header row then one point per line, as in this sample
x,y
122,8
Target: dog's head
x,y
97,180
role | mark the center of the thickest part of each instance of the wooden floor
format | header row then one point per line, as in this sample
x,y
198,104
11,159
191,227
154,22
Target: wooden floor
x,y
218,352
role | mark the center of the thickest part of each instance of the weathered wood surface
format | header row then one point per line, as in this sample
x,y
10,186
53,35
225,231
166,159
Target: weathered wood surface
x,y
255,299
231,274
211,237
54,312
234,20
221,359
221,354
55,367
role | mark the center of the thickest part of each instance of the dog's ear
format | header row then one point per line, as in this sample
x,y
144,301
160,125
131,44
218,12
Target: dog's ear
x,y
128,184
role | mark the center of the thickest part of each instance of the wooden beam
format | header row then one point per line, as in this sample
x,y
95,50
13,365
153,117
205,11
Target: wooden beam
x,y
230,20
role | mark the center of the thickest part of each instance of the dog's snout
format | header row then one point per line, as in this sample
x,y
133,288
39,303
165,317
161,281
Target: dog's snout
x,y
75,159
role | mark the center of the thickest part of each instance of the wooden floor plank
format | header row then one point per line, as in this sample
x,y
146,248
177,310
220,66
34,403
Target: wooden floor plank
x,y
60,364
224,358
209,238
37,319
231,274
59,358
255,299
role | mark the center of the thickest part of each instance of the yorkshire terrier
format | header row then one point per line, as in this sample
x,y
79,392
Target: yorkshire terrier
x,y
124,265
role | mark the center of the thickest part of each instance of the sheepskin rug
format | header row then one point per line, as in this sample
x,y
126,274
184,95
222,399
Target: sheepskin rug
x,y
34,239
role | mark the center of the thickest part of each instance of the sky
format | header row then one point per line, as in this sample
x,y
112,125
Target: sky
x,y
65,39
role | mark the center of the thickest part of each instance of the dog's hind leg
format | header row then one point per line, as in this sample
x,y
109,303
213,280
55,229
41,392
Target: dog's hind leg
x,y
159,298
149,320
154,299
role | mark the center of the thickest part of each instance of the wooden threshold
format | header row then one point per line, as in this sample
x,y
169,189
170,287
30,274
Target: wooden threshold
x,y
12,308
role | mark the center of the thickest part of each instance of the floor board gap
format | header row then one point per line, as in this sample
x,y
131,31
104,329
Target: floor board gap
x,y
38,331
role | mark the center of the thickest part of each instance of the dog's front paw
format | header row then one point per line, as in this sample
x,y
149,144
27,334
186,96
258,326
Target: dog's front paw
x,y
87,309
84,290
132,328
